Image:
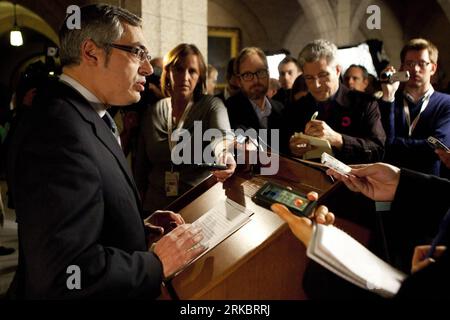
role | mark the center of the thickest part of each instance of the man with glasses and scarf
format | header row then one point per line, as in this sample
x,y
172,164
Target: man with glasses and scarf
x,y
81,234
413,114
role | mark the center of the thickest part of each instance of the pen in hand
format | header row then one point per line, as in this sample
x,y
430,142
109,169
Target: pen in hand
x,y
314,116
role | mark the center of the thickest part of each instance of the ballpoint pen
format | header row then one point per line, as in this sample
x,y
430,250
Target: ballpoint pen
x,y
314,116
438,238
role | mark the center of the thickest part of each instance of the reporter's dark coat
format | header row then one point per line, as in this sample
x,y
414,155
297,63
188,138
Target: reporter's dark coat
x,y
243,116
355,115
76,204
421,207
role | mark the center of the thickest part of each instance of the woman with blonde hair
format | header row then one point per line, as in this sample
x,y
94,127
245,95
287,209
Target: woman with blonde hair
x,y
166,168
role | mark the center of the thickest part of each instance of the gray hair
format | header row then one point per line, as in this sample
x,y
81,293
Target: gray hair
x,y
316,50
100,23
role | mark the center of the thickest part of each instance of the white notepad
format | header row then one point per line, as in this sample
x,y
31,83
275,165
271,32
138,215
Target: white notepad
x,y
340,253
322,145
218,223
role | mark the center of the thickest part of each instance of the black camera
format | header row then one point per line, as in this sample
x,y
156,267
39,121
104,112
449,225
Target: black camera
x,y
392,77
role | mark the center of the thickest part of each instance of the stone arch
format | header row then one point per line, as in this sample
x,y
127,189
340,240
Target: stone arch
x,y
26,19
359,14
253,31
316,21
445,5
299,35
37,34
391,32
319,14
320,21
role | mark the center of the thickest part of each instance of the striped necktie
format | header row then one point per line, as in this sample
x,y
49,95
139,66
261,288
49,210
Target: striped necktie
x,y
111,125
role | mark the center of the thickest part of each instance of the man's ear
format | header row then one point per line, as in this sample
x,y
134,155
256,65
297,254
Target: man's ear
x,y
366,83
433,68
90,53
338,70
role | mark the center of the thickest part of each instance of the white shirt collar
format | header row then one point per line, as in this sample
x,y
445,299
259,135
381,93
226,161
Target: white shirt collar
x,y
262,115
427,94
267,107
95,102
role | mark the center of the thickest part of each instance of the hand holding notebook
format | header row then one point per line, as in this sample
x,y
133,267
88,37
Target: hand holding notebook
x,y
316,147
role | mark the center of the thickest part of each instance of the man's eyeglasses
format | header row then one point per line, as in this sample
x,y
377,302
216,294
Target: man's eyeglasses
x,y
261,74
322,76
140,53
412,64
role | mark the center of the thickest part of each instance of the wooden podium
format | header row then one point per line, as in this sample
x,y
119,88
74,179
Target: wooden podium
x,y
263,259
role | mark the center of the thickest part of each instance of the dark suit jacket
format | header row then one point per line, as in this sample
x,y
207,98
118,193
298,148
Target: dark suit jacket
x,y
76,204
284,96
355,115
421,205
243,116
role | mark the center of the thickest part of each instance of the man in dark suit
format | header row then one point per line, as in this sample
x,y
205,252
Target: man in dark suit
x,y
250,108
349,120
81,234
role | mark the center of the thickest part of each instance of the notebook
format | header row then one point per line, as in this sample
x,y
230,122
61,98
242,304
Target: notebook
x,y
321,146
218,223
340,253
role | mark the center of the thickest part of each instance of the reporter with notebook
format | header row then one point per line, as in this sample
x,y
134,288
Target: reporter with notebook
x,y
423,211
349,120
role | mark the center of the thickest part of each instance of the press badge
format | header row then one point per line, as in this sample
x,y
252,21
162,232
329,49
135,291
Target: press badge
x,y
171,182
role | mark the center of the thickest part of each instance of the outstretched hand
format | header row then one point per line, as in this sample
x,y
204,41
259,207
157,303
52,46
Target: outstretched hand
x,y
228,160
302,227
377,181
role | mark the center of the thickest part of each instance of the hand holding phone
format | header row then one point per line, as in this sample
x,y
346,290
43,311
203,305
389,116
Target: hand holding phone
x,y
437,144
300,204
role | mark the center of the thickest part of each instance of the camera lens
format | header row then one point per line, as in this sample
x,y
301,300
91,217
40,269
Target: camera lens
x,y
384,76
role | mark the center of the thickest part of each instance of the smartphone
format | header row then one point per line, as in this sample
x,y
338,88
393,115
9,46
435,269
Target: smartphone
x,y
212,166
297,202
437,144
